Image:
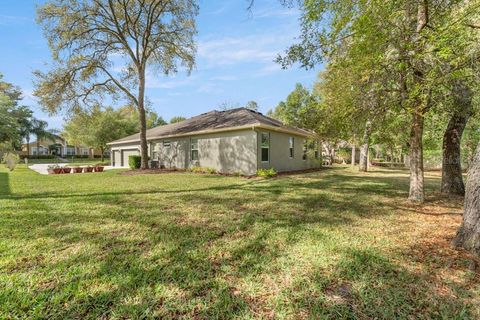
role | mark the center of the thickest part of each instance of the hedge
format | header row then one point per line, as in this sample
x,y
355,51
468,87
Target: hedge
x,y
134,162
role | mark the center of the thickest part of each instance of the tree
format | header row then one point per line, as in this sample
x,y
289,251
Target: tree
x,y
405,39
39,129
88,37
9,117
452,180
97,127
468,235
252,105
177,119
299,109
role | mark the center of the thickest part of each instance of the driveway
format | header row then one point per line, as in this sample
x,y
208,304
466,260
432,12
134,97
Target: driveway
x,y
42,167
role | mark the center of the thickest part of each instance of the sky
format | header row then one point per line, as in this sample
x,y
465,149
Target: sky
x,y
234,62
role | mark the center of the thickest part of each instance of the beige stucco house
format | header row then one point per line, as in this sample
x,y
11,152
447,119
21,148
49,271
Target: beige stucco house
x,y
232,141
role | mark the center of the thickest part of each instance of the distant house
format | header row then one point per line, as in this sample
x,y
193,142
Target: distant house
x,y
58,146
233,141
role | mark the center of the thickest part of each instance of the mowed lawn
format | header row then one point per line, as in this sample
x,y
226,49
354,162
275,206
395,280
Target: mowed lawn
x,y
329,244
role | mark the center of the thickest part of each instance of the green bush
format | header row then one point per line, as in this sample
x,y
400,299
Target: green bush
x,y
134,162
10,160
203,170
266,173
45,156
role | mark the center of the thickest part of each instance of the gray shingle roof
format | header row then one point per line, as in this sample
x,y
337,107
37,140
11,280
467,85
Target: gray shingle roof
x,y
215,120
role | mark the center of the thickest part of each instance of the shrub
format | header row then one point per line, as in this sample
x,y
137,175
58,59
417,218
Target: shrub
x,y
134,162
44,156
10,160
203,170
266,173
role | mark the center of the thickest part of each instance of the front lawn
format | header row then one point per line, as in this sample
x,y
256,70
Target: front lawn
x,y
330,244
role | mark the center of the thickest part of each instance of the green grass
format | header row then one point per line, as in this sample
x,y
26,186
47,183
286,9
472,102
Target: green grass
x,y
330,244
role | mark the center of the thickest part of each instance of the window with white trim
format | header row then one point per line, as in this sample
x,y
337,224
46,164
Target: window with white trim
x,y
167,144
265,146
305,150
194,149
291,147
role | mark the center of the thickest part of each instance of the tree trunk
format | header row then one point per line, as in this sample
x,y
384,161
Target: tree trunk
x,y
143,121
102,156
38,146
452,180
468,235
416,159
28,145
353,155
363,165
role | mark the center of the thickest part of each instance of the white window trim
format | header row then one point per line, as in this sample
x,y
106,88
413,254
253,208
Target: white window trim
x,y
291,147
192,149
167,143
262,147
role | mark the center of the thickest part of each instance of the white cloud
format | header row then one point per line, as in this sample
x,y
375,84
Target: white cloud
x,y
8,20
260,48
158,82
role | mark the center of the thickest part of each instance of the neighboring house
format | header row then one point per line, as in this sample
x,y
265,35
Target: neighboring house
x,y
233,141
59,147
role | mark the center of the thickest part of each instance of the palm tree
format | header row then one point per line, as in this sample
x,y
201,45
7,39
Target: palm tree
x,y
41,132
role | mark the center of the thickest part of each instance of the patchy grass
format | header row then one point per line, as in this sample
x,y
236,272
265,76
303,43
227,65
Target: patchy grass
x,y
328,244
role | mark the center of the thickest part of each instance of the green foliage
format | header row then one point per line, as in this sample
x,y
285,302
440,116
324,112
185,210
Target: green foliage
x,y
177,119
266,173
97,127
252,105
134,162
300,109
10,160
345,154
203,170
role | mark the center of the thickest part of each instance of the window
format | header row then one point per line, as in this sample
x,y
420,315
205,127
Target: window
x,y
265,146
155,156
194,149
167,144
305,149
291,143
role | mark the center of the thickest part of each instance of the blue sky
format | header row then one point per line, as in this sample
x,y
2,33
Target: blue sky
x,y
234,61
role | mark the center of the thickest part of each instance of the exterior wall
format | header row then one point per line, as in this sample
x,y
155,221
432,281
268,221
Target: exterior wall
x,y
226,152
175,156
280,153
117,151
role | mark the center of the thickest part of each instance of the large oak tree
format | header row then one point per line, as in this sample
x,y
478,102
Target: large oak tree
x,y
106,47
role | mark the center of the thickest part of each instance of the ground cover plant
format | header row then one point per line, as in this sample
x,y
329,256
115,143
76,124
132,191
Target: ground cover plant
x,y
329,244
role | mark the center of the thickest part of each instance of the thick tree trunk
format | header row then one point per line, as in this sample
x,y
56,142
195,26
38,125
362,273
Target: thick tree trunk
x,y
452,180
416,159
28,145
143,122
38,146
102,157
363,164
354,147
468,235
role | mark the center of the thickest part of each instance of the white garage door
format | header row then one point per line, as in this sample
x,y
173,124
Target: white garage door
x,y
126,154
116,161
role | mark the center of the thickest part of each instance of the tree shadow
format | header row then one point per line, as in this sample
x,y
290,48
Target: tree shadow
x,y
4,185
135,254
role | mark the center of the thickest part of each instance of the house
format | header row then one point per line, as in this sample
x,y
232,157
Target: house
x,y
57,146
232,141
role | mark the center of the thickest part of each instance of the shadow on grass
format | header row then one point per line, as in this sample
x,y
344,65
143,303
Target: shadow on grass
x,y
186,253
4,185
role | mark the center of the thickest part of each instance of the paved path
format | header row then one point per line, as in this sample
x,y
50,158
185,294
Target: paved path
x,y
42,167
